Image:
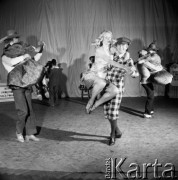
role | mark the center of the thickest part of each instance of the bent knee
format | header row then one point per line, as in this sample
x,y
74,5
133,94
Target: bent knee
x,y
115,90
22,112
100,83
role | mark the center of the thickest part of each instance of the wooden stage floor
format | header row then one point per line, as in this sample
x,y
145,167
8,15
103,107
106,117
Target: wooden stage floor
x,y
74,145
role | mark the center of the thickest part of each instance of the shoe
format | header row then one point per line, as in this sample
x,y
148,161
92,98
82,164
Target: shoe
x,y
152,112
20,137
92,108
88,111
88,108
31,137
147,115
119,135
52,104
112,141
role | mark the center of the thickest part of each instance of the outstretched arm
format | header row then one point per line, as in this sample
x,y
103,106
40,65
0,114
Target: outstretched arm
x,y
110,61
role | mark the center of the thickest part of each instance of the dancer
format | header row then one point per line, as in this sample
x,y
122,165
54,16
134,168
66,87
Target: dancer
x,y
95,76
149,63
122,57
13,58
116,77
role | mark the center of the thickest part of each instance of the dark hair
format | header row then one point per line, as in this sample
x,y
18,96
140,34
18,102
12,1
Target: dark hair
x,y
7,41
54,62
92,59
48,64
101,43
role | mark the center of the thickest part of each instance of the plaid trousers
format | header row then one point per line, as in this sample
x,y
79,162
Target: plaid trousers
x,y
116,76
111,108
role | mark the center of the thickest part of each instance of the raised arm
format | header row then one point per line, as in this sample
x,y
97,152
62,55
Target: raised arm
x,y
39,50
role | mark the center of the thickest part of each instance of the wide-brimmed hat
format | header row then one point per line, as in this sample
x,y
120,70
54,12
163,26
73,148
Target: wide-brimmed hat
x,y
10,34
123,40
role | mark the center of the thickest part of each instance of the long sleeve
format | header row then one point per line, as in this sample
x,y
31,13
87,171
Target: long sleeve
x,y
10,62
37,56
154,63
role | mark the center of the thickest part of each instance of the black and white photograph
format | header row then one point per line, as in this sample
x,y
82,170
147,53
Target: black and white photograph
x,y
88,89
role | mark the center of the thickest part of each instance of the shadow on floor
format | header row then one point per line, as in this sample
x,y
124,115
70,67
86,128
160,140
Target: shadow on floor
x,y
132,111
62,135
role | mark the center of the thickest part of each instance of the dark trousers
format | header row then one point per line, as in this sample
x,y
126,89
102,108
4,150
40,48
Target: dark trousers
x,y
53,94
26,117
149,106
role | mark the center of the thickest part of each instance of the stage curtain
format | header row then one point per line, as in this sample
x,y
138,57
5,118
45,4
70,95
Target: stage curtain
x,y
69,26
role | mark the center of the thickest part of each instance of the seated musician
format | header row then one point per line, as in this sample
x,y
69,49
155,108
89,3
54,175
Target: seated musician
x,y
15,52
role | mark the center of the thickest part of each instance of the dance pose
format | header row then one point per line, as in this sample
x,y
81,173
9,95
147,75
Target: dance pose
x,y
116,77
95,76
15,59
149,64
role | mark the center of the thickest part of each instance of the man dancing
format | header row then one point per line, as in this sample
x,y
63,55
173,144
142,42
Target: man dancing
x,y
116,77
14,55
95,76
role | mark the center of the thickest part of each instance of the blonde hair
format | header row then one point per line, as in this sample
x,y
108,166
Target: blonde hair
x,y
100,38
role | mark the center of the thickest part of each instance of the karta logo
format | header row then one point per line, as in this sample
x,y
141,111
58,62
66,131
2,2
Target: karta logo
x,y
114,170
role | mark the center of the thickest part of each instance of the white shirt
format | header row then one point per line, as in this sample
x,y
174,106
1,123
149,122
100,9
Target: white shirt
x,y
9,63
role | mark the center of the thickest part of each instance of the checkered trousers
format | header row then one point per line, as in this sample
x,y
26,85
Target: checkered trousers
x,y
116,76
111,108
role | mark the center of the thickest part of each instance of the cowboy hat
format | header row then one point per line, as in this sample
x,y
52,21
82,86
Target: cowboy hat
x,y
10,34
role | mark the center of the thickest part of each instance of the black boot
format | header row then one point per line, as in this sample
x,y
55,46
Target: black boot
x,y
112,138
112,141
118,133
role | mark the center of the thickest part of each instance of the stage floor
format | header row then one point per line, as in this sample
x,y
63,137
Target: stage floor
x,y
74,145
